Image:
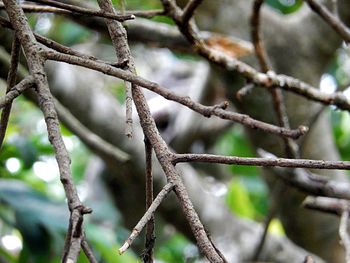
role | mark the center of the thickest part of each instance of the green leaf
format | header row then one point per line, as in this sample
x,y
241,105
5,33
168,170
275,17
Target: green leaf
x,y
285,6
37,218
238,200
103,243
235,143
173,250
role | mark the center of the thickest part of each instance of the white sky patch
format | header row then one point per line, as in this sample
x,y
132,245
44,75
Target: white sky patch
x,y
41,126
69,142
47,170
346,92
13,165
328,84
43,24
82,191
56,190
11,243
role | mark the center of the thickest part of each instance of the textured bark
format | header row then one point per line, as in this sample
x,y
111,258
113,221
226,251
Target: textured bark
x,y
235,237
297,46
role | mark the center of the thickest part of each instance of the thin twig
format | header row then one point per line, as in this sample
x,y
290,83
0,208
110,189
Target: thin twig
x,y
146,217
247,89
310,183
291,147
326,204
206,111
331,19
344,234
85,11
260,79
88,251
50,9
161,149
256,38
11,81
147,255
16,90
189,10
265,162
118,33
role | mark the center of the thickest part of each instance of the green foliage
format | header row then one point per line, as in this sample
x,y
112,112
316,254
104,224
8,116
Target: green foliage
x,y
104,243
247,194
67,32
238,200
341,131
285,6
174,250
139,4
40,221
235,143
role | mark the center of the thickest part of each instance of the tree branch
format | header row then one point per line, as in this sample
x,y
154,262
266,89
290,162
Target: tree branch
x,y
11,81
331,19
85,11
17,90
35,63
147,216
206,111
265,162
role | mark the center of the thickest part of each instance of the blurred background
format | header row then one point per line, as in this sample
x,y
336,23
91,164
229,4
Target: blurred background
x,y
33,212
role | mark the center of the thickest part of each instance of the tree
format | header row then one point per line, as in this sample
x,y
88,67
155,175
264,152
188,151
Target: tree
x,y
194,212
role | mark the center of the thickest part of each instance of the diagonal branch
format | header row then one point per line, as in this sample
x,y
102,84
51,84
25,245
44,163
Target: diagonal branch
x,y
266,80
330,18
206,111
189,10
147,216
16,90
162,151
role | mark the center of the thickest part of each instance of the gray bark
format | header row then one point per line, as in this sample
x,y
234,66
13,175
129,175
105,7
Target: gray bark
x,y
300,45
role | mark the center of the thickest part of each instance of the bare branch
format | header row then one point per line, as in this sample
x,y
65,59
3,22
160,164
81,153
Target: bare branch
x,y
327,204
160,147
50,9
255,33
35,63
85,11
147,255
11,81
118,34
147,216
291,147
87,250
331,19
16,90
244,91
260,79
189,10
265,162
186,101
